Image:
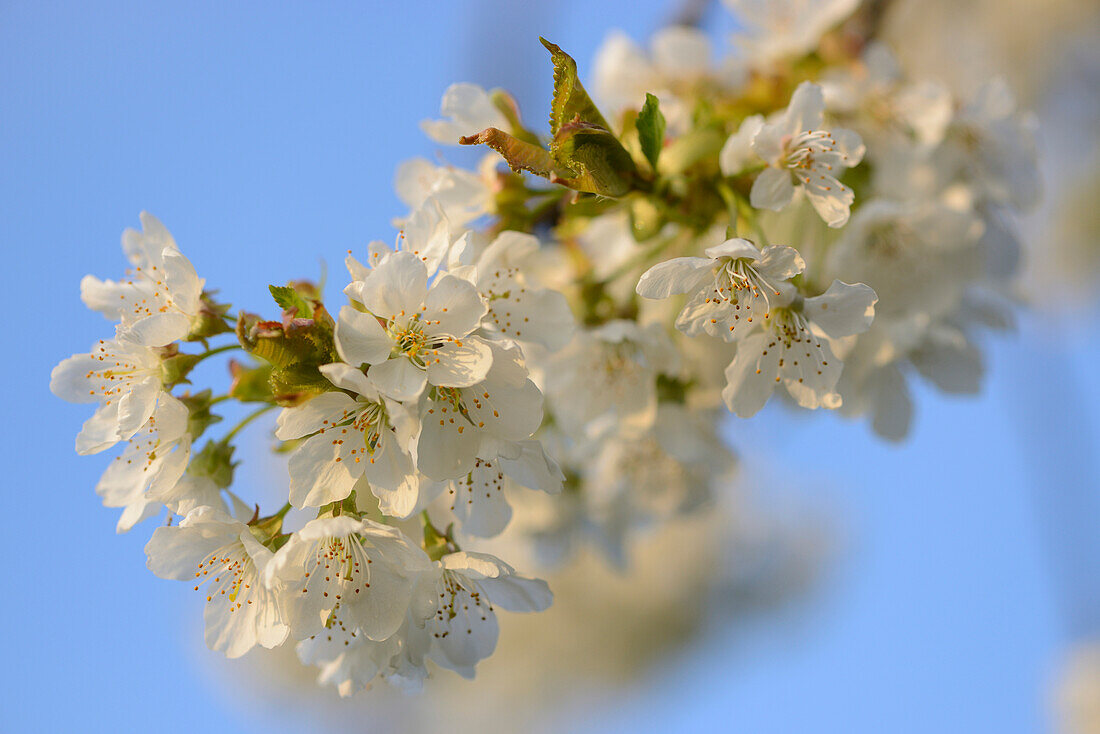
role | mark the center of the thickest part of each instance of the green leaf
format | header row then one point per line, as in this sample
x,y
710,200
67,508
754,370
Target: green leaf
x,y
602,164
651,129
519,155
290,300
570,99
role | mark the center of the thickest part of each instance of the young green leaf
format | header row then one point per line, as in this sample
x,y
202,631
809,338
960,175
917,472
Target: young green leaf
x,y
570,100
651,129
289,299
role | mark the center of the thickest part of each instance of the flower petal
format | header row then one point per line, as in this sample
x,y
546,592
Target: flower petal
x,y
772,189
398,378
459,364
678,275
360,339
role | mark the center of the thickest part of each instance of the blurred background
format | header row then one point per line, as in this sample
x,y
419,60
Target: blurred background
x,y
948,584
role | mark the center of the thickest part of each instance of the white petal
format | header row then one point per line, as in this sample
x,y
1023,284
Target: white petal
x,y
396,286
349,378
398,378
99,432
102,296
737,153
805,109
392,477
182,281
892,408
831,199
360,338
734,248
160,329
843,310
459,366
316,478
136,406
768,144
751,376
444,451
780,262
772,189
453,307
533,468
320,412
679,275
518,593
952,364
478,500
810,372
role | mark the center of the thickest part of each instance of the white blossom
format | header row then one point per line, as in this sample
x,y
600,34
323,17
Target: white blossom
x,y
456,422
518,309
121,375
160,298
209,547
412,335
469,110
729,291
357,574
463,628
605,381
463,195
147,471
777,29
795,147
792,346
349,438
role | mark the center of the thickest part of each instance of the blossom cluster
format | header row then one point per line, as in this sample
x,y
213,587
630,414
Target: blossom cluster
x,y
552,346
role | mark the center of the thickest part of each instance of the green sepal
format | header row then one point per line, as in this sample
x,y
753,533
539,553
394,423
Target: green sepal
x,y
307,341
174,369
672,389
215,461
437,544
571,101
651,129
251,384
210,320
296,383
199,417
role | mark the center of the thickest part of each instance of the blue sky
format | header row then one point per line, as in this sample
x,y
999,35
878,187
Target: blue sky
x,y
266,138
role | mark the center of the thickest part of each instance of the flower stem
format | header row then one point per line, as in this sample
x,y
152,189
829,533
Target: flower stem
x,y
217,350
245,421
